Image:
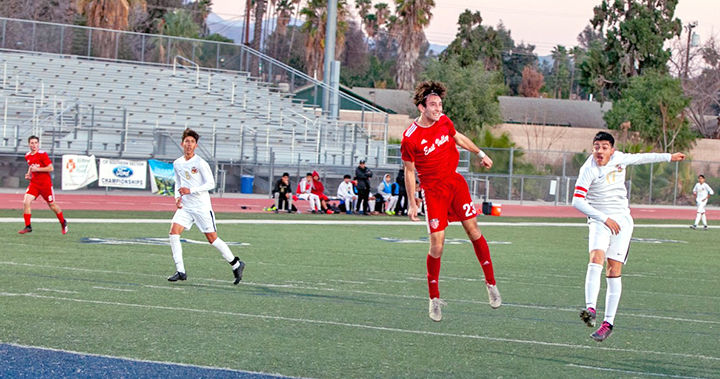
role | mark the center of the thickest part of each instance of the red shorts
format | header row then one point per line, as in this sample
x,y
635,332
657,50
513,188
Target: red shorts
x,y
447,201
46,191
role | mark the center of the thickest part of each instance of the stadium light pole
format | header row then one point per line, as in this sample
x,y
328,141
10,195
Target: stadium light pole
x,y
330,31
689,28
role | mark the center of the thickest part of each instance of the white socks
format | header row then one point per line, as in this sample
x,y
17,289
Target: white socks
x,y
224,249
612,298
697,219
592,284
176,248
704,219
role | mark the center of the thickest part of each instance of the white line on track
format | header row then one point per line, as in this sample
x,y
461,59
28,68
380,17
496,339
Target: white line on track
x,y
329,222
309,287
144,360
632,372
364,326
114,289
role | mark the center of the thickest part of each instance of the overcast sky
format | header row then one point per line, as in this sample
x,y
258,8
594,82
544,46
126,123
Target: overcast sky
x,y
543,23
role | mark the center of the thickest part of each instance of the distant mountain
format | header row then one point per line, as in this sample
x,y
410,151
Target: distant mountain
x,y
234,28
436,49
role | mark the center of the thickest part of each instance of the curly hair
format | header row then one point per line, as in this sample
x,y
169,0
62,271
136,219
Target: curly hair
x,y
190,133
427,88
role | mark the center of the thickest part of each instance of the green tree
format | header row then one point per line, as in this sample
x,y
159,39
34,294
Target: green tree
x,y
559,79
475,41
635,35
521,56
472,99
654,105
315,14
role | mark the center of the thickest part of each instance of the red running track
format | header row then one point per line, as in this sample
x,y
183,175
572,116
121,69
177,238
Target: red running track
x,y
102,202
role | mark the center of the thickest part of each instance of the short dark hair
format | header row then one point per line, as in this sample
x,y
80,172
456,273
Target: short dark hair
x,y
190,133
427,88
308,174
33,137
701,176
604,136
286,174
346,177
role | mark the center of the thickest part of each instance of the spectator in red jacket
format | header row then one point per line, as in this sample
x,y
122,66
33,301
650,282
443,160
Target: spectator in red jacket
x,y
319,189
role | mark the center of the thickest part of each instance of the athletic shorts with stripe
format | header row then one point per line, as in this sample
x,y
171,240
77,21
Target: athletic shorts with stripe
x,y
448,201
46,191
203,218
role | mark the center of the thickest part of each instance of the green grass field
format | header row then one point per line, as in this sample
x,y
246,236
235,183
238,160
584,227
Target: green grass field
x,y
336,301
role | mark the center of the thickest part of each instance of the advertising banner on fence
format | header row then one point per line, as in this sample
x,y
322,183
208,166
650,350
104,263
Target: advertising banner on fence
x,y
162,177
78,171
122,173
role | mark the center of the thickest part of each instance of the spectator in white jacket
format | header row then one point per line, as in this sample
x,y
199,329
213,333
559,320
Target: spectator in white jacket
x,y
304,192
346,193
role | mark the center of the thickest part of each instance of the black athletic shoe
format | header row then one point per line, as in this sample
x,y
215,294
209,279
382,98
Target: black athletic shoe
x,y
26,229
238,272
588,316
178,276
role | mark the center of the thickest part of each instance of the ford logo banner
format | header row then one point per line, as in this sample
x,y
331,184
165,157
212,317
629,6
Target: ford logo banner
x,y
123,172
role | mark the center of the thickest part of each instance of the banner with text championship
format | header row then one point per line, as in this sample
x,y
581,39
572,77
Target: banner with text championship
x,y
162,177
78,171
122,173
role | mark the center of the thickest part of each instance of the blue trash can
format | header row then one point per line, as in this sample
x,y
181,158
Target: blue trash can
x,y
246,183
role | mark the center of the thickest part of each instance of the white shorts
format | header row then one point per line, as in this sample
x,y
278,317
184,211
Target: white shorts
x,y
203,218
701,206
615,246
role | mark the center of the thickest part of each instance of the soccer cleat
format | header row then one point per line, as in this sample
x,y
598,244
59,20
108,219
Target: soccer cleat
x,y
603,332
494,296
26,229
588,316
435,310
693,227
705,227
64,227
177,276
238,272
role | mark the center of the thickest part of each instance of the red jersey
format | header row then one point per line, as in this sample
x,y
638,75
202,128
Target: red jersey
x,y
41,159
432,149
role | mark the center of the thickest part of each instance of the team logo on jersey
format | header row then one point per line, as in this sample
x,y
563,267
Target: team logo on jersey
x,y
194,170
424,141
619,168
434,223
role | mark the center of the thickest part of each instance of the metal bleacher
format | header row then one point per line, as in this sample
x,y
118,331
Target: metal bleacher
x,y
138,110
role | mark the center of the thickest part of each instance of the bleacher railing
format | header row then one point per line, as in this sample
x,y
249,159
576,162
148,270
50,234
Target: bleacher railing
x,y
89,42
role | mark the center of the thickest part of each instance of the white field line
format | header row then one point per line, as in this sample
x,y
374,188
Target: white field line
x,y
632,372
113,289
144,360
364,326
55,290
361,292
164,287
329,222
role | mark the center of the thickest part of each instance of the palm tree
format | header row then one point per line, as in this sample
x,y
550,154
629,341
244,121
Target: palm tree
x,y
363,7
382,13
107,14
260,6
315,14
413,16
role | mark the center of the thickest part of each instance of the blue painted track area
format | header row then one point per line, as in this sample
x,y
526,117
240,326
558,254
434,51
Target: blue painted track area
x,y
30,362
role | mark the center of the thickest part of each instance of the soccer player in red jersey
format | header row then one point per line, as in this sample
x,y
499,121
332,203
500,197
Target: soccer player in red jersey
x,y
39,169
428,146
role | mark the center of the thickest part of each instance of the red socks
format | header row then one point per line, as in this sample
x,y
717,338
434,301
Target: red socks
x,y
27,216
60,218
433,273
483,255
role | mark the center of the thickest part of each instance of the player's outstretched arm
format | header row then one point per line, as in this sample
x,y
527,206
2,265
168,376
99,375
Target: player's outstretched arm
x,y
467,144
674,157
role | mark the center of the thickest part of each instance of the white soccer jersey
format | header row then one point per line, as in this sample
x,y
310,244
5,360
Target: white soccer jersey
x,y
345,189
196,175
600,190
702,191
